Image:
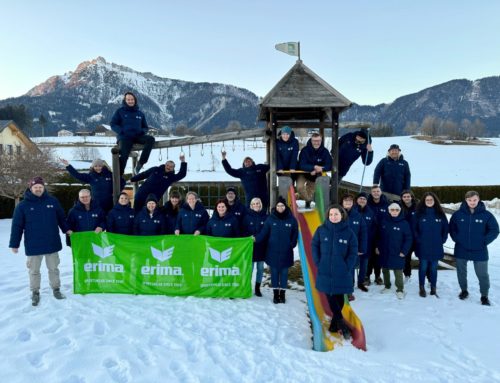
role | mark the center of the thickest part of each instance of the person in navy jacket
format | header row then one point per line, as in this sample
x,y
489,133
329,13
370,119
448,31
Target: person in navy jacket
x,y
335,250
351,147
252,225
408,205
158,180
100,179
393,172
85,215
150,220
281,233
252,176
120,219
379,204
430,232
371,229
473,228
129,123
171,211
39,216
193,217
358,226
393,243
235,206
314,159
223,223
287,149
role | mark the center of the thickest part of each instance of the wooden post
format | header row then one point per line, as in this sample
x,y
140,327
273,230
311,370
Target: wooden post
x,y
334,182
116,173
271,160
134,156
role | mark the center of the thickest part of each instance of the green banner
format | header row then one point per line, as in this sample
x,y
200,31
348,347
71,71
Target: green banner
x,y
182,265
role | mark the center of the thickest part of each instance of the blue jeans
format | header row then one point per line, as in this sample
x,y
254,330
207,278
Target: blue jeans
x,y
279,278
260,270
430,267
481,269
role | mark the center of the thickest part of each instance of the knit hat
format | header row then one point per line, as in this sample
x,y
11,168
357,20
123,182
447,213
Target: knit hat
x,y
362,195
362,134
286,129
281,200
36,180
394,206
152,198
97,162
232,189
394,146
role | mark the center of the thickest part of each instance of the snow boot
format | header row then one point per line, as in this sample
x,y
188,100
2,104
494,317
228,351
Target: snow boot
x,y
35,298
58,295
257,289
276,296
485,301
379,281
334,326
282,296
346,332
422,292
463,295
433,291
362,287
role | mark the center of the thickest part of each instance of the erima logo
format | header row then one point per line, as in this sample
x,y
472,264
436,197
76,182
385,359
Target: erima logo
x,y
342,240
219,256
161,256
50,206
103,252
396,228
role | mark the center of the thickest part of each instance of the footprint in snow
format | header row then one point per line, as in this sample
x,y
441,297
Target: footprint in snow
x,y
24,335
119,371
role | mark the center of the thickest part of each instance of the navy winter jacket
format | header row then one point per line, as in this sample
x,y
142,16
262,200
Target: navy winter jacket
x,y
101,185
371,225
349,152
157,182
238,210
129,122
430,232
80,219
335,251
189,220
226,226
253,179
473,232
281,235
286,153
394,237
358,225
393,175
310,157
170,214
39,218
120,220
252,225
145,224
380,208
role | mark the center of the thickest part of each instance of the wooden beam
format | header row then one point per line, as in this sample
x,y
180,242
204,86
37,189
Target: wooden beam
x,y
334,181
324,125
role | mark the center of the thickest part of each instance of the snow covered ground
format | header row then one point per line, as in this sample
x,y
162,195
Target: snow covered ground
x,y
124,338
429,164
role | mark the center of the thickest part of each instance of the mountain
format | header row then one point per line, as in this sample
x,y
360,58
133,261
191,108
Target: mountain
x,y
453,100
88,96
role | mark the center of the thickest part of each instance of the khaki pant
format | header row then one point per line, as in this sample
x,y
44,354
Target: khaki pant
x,y
34,262
305,188
398,275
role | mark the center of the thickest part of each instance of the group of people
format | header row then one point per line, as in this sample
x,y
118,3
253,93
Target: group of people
x,y
366,232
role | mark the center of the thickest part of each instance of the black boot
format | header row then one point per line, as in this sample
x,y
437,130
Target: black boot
x,y
433,290
485,301
334,326
35,298
58,295
422,292
257,289
276,296
346,332
282,296
362,287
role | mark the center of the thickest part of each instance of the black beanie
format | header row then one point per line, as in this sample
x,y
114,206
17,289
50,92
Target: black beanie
x,y
152,197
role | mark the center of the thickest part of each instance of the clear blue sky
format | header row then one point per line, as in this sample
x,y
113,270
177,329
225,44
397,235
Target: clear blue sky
x,y
372,51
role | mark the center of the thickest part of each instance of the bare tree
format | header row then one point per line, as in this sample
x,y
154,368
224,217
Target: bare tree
x,y
85,153
17,169
477,129
411,127
431,125
450,129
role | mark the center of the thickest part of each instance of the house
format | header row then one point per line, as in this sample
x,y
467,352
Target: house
x,y
65,133
104,130
13,140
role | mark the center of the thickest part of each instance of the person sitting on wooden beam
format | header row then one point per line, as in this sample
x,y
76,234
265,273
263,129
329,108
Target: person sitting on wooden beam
x,y
287,150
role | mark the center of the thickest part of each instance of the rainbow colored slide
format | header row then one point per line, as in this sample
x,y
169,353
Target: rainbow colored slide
x,y
319,310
